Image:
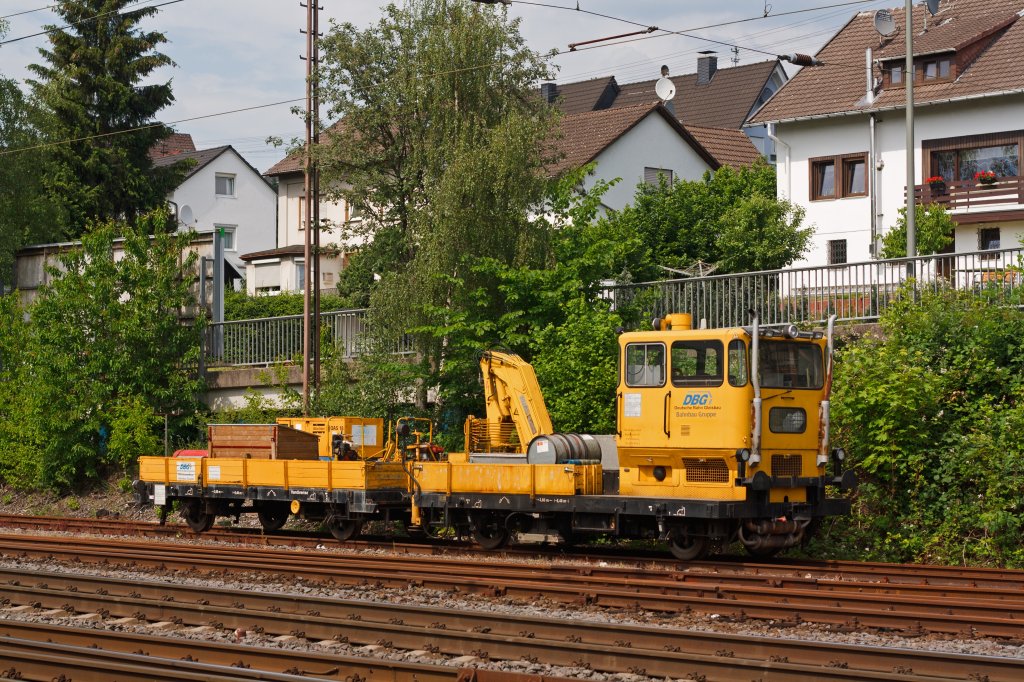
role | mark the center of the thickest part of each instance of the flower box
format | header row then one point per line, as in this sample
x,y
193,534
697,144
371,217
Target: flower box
x,y
986,178
937,184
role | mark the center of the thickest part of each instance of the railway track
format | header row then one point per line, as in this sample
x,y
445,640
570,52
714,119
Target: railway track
x,y
913,609
608,648
732,569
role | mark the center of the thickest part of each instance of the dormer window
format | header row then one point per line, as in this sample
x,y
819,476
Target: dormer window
x,y
927,70
935,69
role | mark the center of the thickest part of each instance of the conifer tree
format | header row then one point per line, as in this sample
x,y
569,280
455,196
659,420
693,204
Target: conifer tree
x,y
91,85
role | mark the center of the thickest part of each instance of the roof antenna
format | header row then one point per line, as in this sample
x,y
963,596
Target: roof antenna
x,y
666,89
767,8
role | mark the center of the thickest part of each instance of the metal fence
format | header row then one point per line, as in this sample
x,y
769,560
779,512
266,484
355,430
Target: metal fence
x,y
852,291
271,340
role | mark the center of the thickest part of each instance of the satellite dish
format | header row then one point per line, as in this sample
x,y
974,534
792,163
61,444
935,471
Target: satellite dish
x,y
884,23
186,216
665,89
933,7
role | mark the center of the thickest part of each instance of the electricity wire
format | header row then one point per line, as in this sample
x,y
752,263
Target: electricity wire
x,y
87,20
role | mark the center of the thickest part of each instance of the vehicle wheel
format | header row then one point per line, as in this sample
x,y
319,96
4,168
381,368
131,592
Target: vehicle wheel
x,y
490,533
195,515
685,546
763,553
344,530
273,515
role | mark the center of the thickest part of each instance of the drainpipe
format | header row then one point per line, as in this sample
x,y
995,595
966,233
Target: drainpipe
x,y
778,142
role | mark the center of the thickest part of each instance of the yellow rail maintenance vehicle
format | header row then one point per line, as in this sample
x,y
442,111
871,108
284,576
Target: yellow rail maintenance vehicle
x,y
310,467
723,434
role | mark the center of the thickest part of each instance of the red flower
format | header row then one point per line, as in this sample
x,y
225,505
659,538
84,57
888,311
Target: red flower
x,y
985,176
936,179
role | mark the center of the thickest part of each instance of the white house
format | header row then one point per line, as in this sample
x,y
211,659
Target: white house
x,y
641,143
222,193
282,268
710,97
843,144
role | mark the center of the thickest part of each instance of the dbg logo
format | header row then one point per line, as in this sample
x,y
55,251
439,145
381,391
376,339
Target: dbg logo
x,y
696,399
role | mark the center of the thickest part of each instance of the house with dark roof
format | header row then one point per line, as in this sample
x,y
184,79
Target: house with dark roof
x,y
712,97
283,267
643,143
221,193
843,135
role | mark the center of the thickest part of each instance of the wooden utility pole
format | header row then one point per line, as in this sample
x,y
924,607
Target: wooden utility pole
x,y
311,218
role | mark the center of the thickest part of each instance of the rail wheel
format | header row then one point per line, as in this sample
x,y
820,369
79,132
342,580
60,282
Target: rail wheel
x,y
763,553
197,517
685,545
273,515
489,532
344,530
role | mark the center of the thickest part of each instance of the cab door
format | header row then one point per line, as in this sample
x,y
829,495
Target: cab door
x,y
643,396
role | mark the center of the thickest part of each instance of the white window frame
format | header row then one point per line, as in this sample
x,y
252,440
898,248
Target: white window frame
x,y
300,281
225,176
233,231
652,175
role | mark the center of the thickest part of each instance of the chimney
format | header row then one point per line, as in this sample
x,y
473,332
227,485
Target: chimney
x,y
548,92
707,65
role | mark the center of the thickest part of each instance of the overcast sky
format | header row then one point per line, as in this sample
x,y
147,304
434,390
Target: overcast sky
x,y
232,54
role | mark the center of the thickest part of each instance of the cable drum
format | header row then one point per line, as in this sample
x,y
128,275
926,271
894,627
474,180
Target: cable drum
x,y
564,448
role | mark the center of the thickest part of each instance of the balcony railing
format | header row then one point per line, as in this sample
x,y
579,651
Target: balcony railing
x,y
968,195
852,291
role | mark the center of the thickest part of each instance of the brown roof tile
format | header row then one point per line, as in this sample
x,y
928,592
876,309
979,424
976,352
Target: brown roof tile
x,y
837,88
724,102
582,136
293,250
175,144
729,146
293,163
591,95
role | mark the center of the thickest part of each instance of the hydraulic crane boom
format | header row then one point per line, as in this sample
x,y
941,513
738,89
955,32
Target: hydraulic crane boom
x,y
513,396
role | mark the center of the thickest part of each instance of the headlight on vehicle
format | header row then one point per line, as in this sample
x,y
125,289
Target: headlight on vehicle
x,y
787,420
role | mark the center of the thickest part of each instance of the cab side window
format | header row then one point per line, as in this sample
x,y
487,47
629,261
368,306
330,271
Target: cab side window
x,y
645,364
737,363
697,363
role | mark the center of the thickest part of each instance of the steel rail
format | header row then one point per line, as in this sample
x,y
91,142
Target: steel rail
x,y
722,569
50,661
977,615
602,647
285,661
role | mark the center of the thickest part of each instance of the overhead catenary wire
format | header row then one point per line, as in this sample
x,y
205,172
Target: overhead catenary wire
x,y
86,20
688,33
635,65
553,54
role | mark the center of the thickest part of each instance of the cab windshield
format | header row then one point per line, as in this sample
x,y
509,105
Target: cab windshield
x,y
788,364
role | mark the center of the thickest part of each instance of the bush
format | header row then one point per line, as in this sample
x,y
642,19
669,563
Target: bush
x,y
931,412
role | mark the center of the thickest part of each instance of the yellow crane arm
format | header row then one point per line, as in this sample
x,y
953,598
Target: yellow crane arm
x,y
513,395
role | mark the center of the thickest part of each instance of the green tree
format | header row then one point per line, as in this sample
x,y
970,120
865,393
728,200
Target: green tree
x,y
95,85
730,218
933,228
26,214
441,149
103,352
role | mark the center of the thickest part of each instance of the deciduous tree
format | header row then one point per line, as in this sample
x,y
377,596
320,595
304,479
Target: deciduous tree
x,y
103,351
